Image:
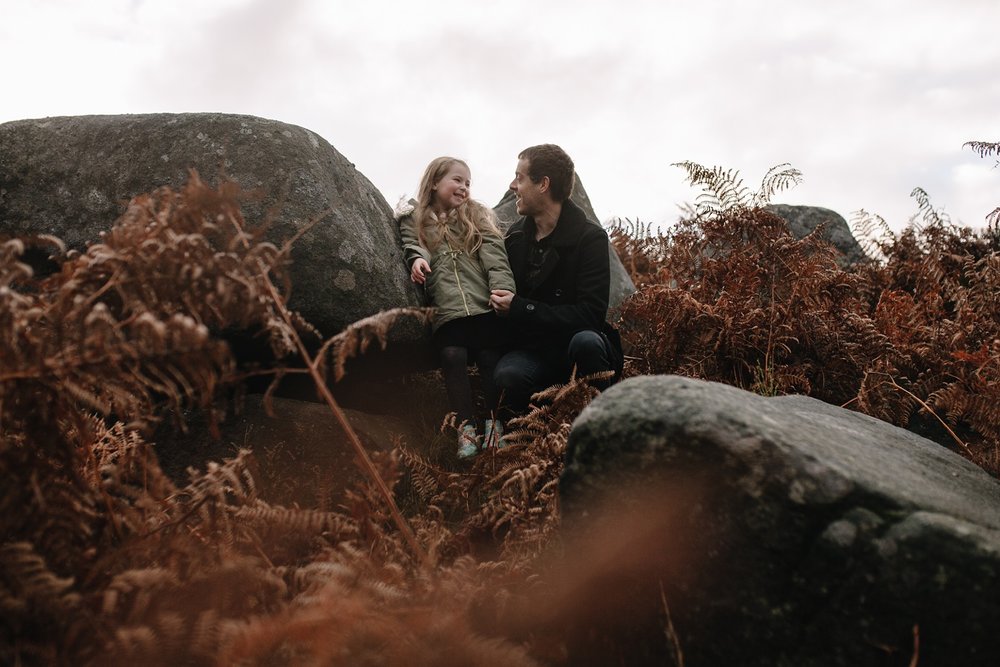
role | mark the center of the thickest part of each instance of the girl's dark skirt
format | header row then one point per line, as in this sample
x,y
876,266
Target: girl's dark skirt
x,y
476,332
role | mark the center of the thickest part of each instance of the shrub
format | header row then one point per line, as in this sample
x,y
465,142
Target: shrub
x,y
105,559
911,337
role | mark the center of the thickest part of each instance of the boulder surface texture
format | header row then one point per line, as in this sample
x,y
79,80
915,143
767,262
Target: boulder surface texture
x,y
72,177
803,220
800,533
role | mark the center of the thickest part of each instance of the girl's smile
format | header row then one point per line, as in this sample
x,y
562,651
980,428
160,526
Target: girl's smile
x,y
453,189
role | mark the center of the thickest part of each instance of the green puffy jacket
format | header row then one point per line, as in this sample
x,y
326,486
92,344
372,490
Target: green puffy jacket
x,y
459,283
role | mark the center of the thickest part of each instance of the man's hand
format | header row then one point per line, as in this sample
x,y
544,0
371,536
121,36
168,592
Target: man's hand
x,y
500,301
419,270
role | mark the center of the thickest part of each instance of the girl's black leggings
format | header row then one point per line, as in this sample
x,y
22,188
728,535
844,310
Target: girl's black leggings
x,y
455,368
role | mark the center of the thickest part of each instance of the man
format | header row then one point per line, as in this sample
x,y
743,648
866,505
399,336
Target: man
x,y
561,269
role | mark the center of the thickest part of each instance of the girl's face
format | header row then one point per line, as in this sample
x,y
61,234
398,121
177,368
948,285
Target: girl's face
x,y
453,188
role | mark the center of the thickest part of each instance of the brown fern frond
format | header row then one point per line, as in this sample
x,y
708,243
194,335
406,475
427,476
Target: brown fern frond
x,y
165,619
28,585
130,593
213,492
38,608
144,301
273,523
984,148
355,339
993,217
877,398
521,506
313,576
12,271
350,621
777,179
873,233
46,505
430,482
977,406
640,251
722,190
929,214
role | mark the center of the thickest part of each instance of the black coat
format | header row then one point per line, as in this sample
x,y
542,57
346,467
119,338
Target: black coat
x,y
565,289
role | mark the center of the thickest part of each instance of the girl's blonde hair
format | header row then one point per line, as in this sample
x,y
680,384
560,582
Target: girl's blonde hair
x,y
462,227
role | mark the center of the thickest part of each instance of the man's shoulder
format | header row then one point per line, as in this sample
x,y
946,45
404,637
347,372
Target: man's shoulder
x,y
578,225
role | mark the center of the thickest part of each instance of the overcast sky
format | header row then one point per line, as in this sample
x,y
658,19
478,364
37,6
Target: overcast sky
x,y
868,98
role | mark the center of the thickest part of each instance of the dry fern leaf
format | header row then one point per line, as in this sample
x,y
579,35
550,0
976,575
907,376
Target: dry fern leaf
x,y
269,521
28,583
984,148
355,339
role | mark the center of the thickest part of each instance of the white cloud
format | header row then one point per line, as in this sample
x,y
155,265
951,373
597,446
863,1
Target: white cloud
x,y
978,184
868,99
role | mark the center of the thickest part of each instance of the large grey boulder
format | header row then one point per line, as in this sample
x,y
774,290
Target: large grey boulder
x,y
803,220
72,177
799,533
621,283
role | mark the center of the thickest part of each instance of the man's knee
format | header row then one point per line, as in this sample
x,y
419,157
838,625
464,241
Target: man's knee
x,y
511,373
584,341
589,352
587,344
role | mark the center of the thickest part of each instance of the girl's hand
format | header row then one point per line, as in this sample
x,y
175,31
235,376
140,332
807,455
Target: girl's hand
x,y
419,270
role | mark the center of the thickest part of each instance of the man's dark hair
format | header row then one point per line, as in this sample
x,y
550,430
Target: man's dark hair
x,y
552,161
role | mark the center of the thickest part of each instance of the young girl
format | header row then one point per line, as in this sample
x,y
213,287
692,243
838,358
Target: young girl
x,y
455,250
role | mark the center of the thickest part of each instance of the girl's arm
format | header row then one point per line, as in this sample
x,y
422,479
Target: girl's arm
x,y
412,250
493,258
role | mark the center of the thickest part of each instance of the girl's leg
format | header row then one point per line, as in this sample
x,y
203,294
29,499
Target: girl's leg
x,y
454,367
486,361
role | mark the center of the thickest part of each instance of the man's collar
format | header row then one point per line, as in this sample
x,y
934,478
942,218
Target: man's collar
x,y
570,213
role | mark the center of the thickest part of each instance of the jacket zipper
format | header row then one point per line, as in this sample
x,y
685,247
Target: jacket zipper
x,y
458,279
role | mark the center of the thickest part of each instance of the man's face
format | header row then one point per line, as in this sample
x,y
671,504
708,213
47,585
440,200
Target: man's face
x,y
529,194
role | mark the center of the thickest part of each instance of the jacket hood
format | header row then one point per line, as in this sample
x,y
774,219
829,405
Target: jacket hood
x,y
404,207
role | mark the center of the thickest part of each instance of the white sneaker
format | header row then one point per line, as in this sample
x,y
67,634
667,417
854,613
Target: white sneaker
x,y
468,442
493,434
